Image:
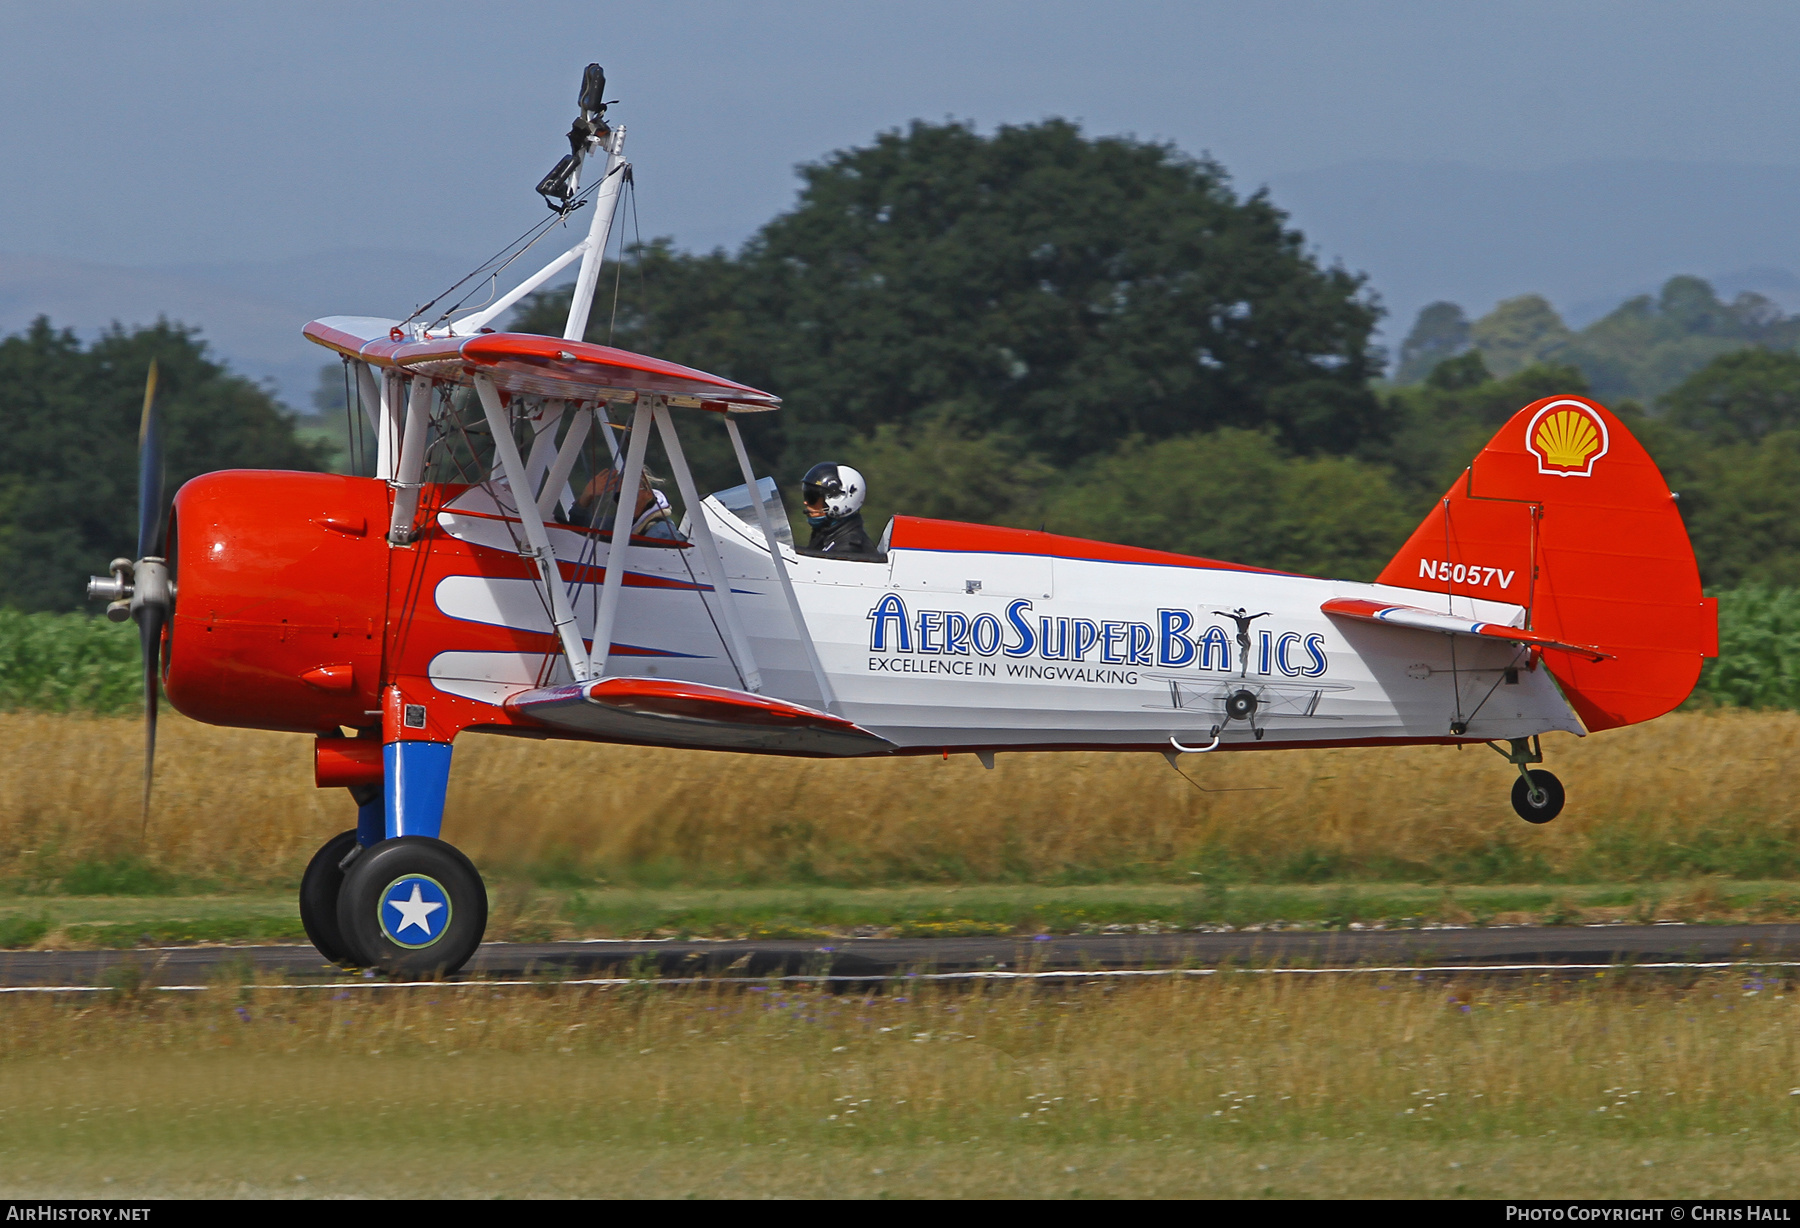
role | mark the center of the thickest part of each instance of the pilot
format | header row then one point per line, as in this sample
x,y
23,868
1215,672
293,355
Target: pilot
x,y
598,507
833,497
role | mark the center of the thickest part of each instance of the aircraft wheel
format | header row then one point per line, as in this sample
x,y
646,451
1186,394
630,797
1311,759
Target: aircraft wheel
x,y
319,888
412,906
1546,805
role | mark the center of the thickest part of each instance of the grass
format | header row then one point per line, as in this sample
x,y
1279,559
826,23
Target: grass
x,y
521,912
1234,1086
922,911
63,922
1694,794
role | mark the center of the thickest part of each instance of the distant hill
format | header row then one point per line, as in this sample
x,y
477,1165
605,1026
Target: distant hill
x,y
1585,235
1639,350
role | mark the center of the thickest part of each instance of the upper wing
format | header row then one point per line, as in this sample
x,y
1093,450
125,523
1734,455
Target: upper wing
x,y
1448,624
535,365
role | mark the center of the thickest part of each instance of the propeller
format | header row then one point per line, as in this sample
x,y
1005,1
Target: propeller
x,y
142,591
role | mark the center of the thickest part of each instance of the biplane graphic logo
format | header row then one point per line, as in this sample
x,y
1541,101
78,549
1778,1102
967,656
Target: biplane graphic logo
x,y
1567,438
1175,640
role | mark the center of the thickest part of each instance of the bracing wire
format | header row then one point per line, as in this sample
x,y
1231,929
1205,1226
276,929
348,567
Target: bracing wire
x,y
487,268
1238,789
619,266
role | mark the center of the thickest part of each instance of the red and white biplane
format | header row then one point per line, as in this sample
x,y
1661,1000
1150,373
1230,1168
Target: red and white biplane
x,y
465,587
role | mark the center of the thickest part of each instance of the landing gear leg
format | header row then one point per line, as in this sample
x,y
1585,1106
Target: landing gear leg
x,y
412,905
1537,796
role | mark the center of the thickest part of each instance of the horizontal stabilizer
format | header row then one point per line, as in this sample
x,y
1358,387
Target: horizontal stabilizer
x,y
1448,624
669,712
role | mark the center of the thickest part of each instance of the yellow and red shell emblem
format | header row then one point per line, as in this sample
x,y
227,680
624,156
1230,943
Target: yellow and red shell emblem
x,y
1567,437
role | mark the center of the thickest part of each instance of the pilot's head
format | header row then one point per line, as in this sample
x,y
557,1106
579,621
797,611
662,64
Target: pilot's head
x,y
831,492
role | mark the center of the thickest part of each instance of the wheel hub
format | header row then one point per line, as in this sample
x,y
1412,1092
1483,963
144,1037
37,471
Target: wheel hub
x,y
415,911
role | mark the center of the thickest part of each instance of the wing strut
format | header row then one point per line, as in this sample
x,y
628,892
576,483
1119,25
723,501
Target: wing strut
x,y
613,584
543,443
826,697
606,202
709,549
558,478
411,468
506,454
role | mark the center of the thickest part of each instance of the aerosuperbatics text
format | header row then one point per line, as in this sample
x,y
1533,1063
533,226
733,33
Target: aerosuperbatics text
x,y
1021,644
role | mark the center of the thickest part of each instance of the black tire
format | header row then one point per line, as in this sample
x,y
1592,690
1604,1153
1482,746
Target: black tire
x,y
1550,788
441,931
1240,705
319,888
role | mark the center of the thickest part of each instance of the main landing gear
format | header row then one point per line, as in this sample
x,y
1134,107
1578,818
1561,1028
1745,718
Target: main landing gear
x,y
389,894
412,906
1537,796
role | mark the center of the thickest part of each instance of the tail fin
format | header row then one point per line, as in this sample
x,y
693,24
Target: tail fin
x,y
1565,514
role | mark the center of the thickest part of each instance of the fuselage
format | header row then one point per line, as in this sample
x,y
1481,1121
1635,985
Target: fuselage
x,y
295,612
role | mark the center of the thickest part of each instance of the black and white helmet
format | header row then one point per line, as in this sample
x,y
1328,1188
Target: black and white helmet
x,y
839,487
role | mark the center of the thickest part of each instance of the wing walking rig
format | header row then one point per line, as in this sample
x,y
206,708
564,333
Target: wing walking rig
x,y
508,568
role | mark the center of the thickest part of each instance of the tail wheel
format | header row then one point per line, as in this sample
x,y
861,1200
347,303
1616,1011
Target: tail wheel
x,y
1537,796
319,890
412,906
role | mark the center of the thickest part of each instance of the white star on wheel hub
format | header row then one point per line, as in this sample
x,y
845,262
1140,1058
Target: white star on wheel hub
x,y
415,911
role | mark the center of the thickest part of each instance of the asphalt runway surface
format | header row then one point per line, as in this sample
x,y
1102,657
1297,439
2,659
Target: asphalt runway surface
x,y
1491,950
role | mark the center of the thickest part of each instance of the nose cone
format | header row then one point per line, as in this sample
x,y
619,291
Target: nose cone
x,y
281,599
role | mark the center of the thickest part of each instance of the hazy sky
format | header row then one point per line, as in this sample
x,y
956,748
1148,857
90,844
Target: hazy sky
x,y
182,132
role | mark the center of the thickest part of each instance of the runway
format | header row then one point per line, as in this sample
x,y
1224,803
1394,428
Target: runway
x,y
1513,950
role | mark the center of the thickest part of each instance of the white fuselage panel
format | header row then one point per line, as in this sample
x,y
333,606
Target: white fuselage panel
x,y
965,649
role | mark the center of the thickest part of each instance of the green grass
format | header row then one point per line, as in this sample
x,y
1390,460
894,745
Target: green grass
x,y
523,912
1006,909
130,875
161,920
1230,1086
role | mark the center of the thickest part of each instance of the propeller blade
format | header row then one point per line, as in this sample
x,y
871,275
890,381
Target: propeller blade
x,y
150,632
151,510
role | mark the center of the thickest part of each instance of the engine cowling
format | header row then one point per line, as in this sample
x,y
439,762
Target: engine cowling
x,y
281,600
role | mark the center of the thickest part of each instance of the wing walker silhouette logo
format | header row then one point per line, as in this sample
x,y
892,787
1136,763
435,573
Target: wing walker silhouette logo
x,y
1243,619
1567,438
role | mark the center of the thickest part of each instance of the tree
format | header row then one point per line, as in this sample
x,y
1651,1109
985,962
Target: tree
x,y
1741,504
1518,333
1072,292
941,469
1235,495
1439,426
1739,397
1647,345
68,476
1440,332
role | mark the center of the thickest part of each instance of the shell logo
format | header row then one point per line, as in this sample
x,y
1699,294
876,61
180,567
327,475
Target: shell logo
x,y
1567,437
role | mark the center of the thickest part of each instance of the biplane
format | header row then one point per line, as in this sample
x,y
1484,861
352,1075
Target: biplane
x,y
475,582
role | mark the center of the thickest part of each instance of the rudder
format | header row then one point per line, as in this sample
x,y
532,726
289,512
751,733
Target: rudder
x,y
1564,513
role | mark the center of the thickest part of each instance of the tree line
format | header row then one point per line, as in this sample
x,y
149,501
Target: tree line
x,y
1097,336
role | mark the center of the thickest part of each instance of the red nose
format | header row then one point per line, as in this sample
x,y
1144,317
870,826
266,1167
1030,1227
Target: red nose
x,y
281,600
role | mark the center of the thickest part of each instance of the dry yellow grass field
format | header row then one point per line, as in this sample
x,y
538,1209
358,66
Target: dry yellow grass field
x,y
1241,1085
240,806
